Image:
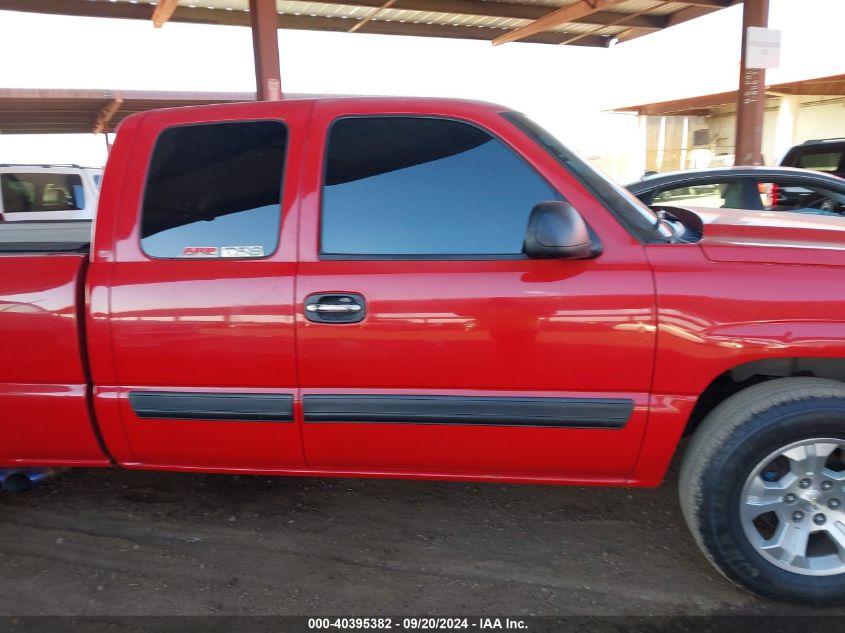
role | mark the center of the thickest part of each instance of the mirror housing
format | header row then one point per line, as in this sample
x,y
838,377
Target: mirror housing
x,y
557,231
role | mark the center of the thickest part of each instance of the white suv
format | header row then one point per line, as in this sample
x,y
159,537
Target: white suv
x,y
48,192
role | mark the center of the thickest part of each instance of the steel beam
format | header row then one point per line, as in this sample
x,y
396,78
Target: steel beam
x,y
163,12
571,12
752,92
372,14
265,47
101,125
623,19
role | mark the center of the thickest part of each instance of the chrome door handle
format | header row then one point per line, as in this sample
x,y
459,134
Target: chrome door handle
x,y
333,307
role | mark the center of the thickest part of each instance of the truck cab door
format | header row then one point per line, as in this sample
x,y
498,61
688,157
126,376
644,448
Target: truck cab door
x,y
191,310
429,344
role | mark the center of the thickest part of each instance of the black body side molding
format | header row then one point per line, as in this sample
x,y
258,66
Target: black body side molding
x,y
600,413
238,407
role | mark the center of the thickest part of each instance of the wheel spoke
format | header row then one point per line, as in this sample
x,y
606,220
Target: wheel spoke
x,y
836,531
789,544
762,497
809,459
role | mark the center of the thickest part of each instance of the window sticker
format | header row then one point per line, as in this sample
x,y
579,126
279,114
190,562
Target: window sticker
x,y
200,251
242,251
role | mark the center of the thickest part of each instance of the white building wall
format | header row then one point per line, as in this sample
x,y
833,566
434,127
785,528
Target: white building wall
x,y
821,119
771,153
783,127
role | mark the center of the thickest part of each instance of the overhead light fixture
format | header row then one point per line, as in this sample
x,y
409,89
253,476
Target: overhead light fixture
x,y
611,41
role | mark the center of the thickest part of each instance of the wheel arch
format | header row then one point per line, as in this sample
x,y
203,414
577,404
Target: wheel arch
x,y
744,375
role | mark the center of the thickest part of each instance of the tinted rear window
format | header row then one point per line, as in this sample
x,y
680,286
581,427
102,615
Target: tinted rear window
x,y
820,160
38,192
214,190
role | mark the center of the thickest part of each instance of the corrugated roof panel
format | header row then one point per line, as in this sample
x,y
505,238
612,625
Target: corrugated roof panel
x,y
451,19
410,13
342,10
652,7
592,29
577,27
242,5
320,9
552,4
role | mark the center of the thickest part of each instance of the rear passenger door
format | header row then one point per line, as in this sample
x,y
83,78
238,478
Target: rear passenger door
x,y
428,344
200,293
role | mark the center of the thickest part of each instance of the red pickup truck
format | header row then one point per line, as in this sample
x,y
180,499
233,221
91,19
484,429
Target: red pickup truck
x,y
435,289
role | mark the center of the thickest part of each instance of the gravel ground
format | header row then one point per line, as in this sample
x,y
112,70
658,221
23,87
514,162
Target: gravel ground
x,y
134,543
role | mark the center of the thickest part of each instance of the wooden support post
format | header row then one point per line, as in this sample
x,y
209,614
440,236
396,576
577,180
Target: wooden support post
x,y
752,92
265,45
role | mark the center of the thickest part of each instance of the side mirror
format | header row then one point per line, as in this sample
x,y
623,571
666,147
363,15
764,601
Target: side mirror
x,y
557,230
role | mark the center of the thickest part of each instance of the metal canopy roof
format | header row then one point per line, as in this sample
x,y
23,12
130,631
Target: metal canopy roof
x,y
81,111
831,86
578,22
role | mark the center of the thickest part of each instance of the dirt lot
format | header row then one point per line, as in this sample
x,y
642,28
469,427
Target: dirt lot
x,y
118,543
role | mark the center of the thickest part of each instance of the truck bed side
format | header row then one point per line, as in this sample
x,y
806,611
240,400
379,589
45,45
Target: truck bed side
x,y
45,236
43,386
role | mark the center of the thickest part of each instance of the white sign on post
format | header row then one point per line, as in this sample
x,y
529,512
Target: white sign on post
x,y
762,48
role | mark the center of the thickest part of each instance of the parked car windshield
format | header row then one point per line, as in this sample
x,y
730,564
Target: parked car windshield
x,y
637,217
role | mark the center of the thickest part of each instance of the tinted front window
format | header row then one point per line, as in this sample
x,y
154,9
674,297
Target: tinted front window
x,y
214,190
34,192
424,186
635,216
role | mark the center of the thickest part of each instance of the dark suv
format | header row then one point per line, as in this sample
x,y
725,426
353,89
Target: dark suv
x,y
826,155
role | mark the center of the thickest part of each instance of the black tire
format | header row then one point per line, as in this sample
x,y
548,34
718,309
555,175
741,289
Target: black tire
x,y
734,438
